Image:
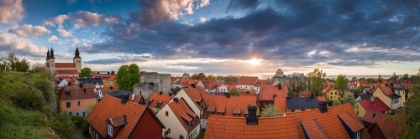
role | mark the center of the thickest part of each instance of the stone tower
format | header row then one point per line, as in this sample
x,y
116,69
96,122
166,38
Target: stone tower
x,y
77,60
51,61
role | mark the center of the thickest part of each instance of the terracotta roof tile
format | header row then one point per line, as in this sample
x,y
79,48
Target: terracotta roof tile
x,y
221,109
248,80
65,65
156,98
280,102
195,94
351,122
110,107
312,129
118,121
187,81
108,77
386,90
373,117
376,106
235,127
389,128
270,91
181,110
77,93
321,98
229,105
135,98
236,110
60,72
304,93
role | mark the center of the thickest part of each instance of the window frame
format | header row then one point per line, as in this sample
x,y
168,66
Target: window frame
x,y
110,130
68,104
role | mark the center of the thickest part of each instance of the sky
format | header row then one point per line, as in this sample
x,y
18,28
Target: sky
x,y
236,37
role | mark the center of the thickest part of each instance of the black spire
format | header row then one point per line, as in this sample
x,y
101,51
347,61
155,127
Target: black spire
x,y
48,55
52,54
77,53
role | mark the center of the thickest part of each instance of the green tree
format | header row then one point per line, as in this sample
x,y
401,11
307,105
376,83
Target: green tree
x,y
354,79
127,76
195,76
85,72
22,66
211,77
341,82
349,98
12,61
90,108
405,77
316,80
362,79
271,111
38,68
234,92
336,102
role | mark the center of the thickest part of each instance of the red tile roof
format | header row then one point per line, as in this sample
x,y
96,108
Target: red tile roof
x,y
187,81
321,98
65,65
329,122
156,98
304,93
183,112
117,121
247,80
390,128
373,117
229,106
61,72
351,122
77,93
376,105
108,77
312,129
280,102
135,98
111,107
268,92
195,94
386,90
173,79
235,127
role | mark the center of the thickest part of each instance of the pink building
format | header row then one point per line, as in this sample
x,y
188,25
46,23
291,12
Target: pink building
x,y
75,99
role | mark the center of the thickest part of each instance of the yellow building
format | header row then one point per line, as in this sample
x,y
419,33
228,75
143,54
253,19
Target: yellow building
x,y
392,98
372,104
334,94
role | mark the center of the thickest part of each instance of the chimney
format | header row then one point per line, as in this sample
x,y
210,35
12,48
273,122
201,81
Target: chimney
x,y
97,72
81,85
193,85
176,100
108,72
279,86
112,72
132,97
312,95
371,99
227,95
289,95
124,98
251,118
170,94
322,106
160,93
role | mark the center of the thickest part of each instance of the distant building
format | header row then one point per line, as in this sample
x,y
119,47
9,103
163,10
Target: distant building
x,y
152,82
109,79
64,69
288,80
373,104
248,83
186,75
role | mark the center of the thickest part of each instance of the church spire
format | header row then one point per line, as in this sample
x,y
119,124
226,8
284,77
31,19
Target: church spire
x,y
52,54
48,55
77,53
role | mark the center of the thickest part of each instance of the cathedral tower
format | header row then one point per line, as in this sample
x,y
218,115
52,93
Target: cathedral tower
x,y
77,60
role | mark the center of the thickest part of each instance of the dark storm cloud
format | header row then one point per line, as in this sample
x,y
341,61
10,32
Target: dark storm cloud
x,y
120,59
242,4
283,31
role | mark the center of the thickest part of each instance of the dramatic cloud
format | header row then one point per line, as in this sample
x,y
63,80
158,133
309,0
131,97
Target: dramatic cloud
x,y
83,19
302,32
11,11
121,59
29,30
19,46
63,32
55,39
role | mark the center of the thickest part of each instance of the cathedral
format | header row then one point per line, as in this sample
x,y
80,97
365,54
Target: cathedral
x,y
64,69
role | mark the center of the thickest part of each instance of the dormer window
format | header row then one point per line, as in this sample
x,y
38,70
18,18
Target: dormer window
x,y
221,114
359,135
158,105
210,113
110,128
236,115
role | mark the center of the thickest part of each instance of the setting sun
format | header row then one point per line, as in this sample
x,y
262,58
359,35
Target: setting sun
x,y
254,61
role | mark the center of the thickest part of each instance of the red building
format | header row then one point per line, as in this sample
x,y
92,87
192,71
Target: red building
x,y
122,119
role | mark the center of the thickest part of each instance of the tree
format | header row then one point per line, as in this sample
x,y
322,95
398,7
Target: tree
x,y
349,98
316,80
195,76
12,61
354,79
22,66
85,72
371,80
405,77
336,102
341,82
271,111
38,68
127,76
362,79
234,92
90,108
211,77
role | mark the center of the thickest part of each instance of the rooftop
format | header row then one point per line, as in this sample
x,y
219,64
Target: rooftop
x,y
376,105
247,80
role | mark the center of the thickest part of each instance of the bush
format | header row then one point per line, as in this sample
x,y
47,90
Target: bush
x,y
45,86
336,102
26,98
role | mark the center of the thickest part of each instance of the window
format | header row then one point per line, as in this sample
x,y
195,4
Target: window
x,y
330,97
221,114
210,113
357,112
96,136
358,135
331,93
166,113
158,105
84,114
396,101
236,115
90,129
70,113
110,130
293,110
335,93
78,103
68,104
77,114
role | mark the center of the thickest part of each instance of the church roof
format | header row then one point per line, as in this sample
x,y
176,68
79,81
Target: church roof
x,y
59,72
